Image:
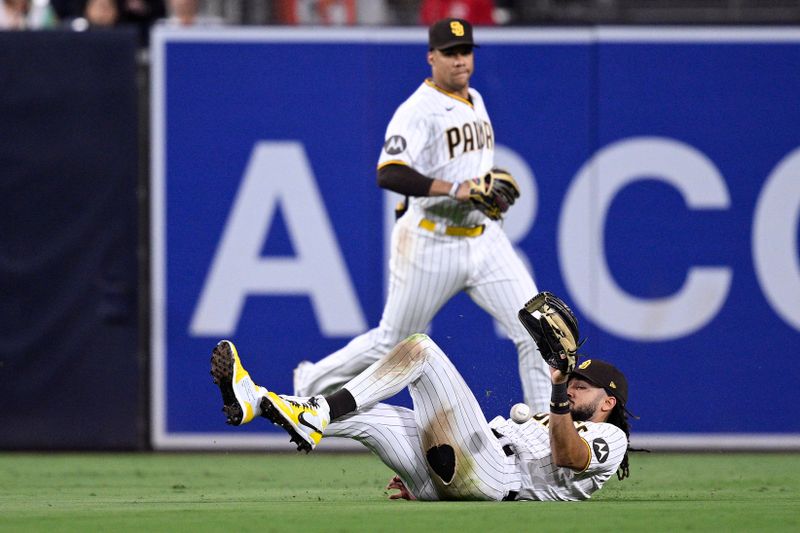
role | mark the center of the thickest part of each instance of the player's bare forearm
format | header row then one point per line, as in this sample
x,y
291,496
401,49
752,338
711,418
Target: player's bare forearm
x,y
443,188
403,179
567,447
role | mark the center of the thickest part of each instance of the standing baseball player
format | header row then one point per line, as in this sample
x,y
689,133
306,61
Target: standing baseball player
x,y
444,449
439,153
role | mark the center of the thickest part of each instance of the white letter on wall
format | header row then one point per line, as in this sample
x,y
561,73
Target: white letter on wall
x,y
775,253
278,172
582,250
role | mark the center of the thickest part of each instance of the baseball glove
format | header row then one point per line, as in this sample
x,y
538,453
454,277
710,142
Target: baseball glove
x,y
554,327
494,193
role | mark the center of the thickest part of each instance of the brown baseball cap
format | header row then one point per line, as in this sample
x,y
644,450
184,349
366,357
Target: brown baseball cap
x,y
604,375
447,33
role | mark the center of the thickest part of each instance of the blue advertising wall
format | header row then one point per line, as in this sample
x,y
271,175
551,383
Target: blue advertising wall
x,y
661,195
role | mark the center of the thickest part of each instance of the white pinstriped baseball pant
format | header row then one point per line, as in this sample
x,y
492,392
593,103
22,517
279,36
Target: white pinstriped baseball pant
x,y
426,271
445,414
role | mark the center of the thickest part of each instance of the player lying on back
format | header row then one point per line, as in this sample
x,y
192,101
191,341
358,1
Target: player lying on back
x,y
443,448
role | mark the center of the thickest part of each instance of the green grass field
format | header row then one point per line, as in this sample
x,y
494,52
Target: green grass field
x,y
344,492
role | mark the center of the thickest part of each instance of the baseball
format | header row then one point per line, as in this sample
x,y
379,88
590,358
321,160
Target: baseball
x,y
520,413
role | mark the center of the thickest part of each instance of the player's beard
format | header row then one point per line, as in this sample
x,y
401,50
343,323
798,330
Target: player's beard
x,y
583,412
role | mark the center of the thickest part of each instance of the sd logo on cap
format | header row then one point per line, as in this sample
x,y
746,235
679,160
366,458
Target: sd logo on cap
x,y
447,33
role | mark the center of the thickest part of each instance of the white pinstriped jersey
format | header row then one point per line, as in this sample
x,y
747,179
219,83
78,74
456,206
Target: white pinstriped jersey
x,y
541,478
443,136
440,135
447,415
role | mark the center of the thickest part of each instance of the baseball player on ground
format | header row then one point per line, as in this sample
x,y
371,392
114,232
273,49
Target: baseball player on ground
x,y
439,152
444,449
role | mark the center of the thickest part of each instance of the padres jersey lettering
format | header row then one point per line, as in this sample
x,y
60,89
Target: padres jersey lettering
x,y
471,136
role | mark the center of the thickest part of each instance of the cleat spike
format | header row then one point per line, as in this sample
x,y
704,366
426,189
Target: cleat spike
x,y
240,396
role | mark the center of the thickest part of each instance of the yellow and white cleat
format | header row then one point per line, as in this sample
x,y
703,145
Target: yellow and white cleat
x,y
304,418
241,398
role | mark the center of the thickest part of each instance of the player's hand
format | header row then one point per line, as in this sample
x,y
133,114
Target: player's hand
x,y
462,193
557,376
397,483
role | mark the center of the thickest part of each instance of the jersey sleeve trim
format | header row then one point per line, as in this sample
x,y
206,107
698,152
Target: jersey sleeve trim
x,y
588,458
392,162
429,83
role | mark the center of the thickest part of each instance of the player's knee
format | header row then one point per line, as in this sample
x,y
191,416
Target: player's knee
x,y
417,349
420,346
412,350
416,342
418,338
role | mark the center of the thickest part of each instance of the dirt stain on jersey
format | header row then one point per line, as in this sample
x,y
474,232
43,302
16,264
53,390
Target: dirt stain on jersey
x,y
408,354
451,467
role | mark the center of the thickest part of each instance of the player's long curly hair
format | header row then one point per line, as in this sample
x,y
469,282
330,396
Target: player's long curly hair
x,y
619,418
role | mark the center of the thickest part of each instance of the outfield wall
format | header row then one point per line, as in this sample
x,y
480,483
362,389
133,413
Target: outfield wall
x,y
70,372
660,170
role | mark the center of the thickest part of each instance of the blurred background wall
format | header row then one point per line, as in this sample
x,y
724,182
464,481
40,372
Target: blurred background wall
x,y
74,177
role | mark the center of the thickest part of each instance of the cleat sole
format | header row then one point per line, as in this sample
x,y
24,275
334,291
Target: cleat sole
x,y
222,372
271,413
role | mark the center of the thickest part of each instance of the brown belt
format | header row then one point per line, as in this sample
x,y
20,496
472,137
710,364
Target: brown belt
x,y
454,231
